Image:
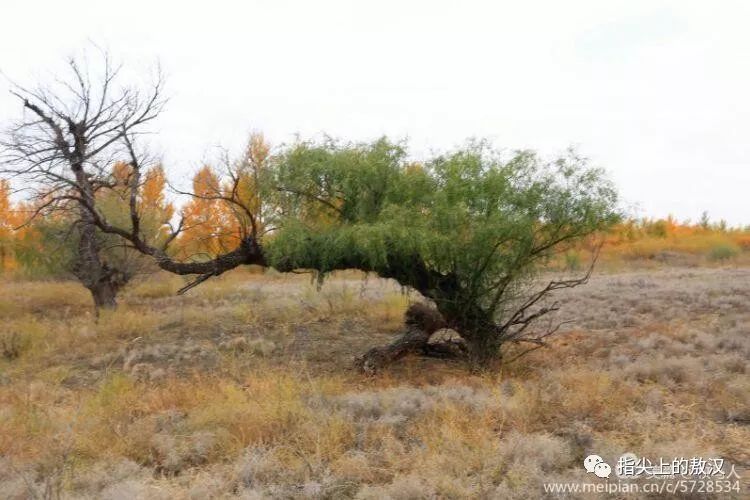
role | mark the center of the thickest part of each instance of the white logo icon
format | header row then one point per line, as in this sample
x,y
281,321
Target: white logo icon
x,y
591,462
603,470
597,465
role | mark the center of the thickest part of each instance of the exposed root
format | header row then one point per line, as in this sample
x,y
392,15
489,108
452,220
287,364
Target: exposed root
x,y
421,323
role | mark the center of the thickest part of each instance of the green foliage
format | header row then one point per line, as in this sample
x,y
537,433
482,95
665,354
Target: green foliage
x,y
469,229
48,249
722,252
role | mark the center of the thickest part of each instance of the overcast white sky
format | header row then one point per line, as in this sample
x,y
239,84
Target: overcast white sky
x,y
657,92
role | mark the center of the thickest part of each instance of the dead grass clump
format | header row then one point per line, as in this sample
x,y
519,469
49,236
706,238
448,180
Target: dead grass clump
x,y
126,324
403,487
543,451
257,467
43,298
702,341
670,372
528,460
667,448
110,479
155,361
736,340
259,347
154,289
397,403
731,401
16,482
734,363
171,454
12,344
23,336
561,397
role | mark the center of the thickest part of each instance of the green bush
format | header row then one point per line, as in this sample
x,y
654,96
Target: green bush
x,y
723,252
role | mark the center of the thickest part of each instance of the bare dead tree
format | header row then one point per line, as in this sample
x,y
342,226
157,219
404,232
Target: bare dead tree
x,y
62,151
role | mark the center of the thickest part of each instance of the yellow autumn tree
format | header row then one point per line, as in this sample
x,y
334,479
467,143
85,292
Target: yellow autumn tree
x,y
8,221
19,237
205,229
213,224
154,209
244,186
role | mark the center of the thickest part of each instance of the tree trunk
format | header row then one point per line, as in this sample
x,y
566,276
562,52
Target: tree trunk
x,y
483,351
421,322
104,295
96,275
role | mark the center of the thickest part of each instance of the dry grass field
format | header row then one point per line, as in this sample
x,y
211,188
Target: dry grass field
x,y
244,388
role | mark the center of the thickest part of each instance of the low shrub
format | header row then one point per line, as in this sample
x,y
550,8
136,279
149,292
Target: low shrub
x,y
722,252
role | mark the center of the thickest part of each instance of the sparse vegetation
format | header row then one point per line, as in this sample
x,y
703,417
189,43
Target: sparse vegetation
x,y
197,396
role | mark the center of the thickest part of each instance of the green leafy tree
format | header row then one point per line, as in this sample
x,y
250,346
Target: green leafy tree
x,y
470,230
47,248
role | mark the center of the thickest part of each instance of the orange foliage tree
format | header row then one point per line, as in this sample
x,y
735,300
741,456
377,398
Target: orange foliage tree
x,y
8,220
154,209
221,212
244,185
204,225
